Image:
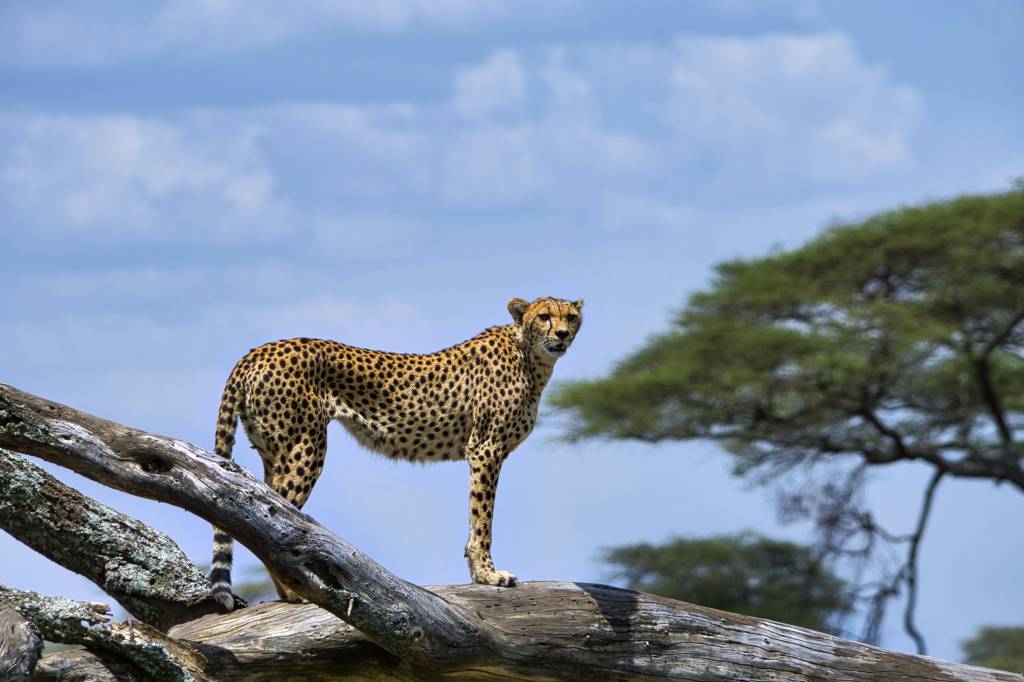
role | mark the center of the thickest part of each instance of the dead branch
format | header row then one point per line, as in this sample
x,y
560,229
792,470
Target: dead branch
x,y
58,618
142,568
87,623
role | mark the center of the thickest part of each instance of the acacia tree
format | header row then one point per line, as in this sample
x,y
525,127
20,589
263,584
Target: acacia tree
x,y
745,573
898,338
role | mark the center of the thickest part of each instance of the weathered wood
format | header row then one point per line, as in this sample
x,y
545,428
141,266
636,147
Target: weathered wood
x,y
538,631
142,568
88,623
59,619
282,641
563,630
613,634
164,658
87,666
20,645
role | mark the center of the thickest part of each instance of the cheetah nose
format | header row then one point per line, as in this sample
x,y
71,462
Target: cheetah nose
x,y
562,333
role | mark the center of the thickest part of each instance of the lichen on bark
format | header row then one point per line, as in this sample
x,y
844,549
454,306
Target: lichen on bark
x,y
143,569
88,623
59,619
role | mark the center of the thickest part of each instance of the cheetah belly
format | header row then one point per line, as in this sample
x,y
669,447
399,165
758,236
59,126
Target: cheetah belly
x,y
418,439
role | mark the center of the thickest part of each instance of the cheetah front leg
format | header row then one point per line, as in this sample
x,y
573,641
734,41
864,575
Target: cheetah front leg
x,y
485,465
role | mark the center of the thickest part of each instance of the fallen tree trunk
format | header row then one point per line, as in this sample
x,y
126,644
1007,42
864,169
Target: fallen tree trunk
x,y
532,632
613,634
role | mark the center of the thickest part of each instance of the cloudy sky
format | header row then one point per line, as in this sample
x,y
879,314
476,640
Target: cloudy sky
x,y
183,180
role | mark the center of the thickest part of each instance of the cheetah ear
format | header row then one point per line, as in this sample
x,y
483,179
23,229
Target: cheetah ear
x,y
517,308
578,303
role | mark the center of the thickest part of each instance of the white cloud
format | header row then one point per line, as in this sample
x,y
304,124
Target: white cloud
x,y
253,22
125,174
561,151
709,111
552,161
495,87
790,107
99,33
558,126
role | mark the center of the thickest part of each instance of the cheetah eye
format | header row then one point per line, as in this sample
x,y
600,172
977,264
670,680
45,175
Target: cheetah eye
x,y
544,317
572,318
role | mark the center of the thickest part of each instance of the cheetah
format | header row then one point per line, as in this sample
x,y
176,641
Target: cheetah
x,y
475,401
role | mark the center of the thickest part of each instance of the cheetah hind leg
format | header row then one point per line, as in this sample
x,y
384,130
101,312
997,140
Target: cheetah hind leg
x,y
292,477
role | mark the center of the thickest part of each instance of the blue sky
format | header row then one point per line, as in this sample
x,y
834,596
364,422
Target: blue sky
x,y
183,180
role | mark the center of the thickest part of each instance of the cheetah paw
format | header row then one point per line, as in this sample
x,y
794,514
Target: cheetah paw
x,y
499,578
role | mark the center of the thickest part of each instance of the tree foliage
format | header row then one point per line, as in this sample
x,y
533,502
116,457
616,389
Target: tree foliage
x,y
997,647
897,338
745,573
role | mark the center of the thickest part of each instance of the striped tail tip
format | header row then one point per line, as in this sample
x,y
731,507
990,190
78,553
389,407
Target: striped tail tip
x,y
220,570
222,595
220,577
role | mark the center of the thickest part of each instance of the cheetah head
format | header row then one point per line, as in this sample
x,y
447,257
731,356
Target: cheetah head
x,y
549,324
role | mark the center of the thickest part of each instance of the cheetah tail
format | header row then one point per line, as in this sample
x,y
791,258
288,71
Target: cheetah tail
x,y
220,567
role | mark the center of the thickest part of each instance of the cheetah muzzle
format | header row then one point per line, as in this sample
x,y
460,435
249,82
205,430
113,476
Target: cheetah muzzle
x,y
474,401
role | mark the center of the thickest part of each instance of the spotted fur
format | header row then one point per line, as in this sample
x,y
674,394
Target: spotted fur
x,y
475,401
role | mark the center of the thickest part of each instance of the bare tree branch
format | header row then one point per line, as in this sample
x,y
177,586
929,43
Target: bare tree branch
x,y
983,375
894,436
88,623
1004,334
58,618
140,567
910,570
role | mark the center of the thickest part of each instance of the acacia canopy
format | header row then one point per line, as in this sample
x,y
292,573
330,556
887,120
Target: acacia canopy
x,y
896,338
